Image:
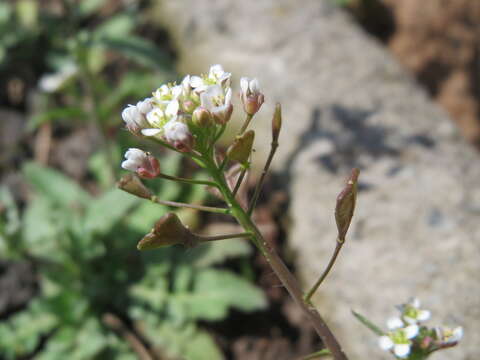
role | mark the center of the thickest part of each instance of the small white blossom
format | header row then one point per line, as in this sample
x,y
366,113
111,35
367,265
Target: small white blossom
x,y
250,95
411,312
448,336
134,119
218,102
399,340
216,76
158,117
178,135
141,162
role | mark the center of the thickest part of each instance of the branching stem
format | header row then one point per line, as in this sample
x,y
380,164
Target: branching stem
x,y
155,199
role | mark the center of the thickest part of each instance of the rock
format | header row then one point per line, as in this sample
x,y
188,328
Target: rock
x,y
347,103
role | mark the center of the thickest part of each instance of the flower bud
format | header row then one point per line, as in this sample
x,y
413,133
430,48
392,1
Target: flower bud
x,y
169,230
276,122
178,135
188,106
142,163
132,184
251,96
145,106
202,117
241,148
346,205
134,120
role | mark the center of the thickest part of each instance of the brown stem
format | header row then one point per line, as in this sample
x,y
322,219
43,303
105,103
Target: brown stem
x,y
314,288
239,181
246,123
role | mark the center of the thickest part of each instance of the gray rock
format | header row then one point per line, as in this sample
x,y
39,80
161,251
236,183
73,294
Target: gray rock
x,y
347,103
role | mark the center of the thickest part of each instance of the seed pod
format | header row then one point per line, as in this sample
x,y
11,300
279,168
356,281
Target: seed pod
x,y
241,148
346,205
132,184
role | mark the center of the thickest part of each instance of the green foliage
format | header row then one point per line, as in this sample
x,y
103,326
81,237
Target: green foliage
x,y
84,249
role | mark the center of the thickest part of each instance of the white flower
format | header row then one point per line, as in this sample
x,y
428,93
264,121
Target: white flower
x,y
135,158
448,336
178,135
250,95
411,312
142,163
399,341
218,102
134,119
216,76
158,117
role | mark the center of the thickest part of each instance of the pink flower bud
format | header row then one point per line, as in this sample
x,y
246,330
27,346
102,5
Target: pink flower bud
x,y
134,119
202,117
178,135
141,162
251,96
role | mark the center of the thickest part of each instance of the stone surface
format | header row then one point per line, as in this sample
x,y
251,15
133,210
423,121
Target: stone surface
x,y
347,103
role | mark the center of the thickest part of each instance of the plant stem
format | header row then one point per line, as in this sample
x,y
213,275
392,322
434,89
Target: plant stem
x,y
239,181
256,194
187,181
224,237
314,288
246,123
277,265
155,199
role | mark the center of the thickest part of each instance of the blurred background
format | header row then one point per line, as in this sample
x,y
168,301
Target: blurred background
x,y
73,285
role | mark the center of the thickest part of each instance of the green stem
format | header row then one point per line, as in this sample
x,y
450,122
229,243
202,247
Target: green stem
x,y
277,265
187,181
314,288
190,206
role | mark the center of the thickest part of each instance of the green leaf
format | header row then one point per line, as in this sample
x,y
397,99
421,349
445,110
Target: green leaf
x,y
368,323
55,186
117,26
215,291
139,50
21,333
106,211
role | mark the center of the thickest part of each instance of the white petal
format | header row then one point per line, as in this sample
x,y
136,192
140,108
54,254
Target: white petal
x,y
394,323
214,90
130,165
145,106
244,85
196,81
135,154
457,334
401,350
411,331
172,108
409,320
154,116
228,96
151,132
206,101
415,302
385,343
423,315
177,91
186,81
254,86
215,71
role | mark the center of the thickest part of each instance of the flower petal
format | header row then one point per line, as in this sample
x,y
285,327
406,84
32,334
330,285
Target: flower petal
x,y
151,132
423,315
401,350
411,331
394,323
385,343
244,85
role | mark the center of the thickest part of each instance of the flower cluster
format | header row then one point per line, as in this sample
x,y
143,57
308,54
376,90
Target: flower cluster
x,y
408,337
188,116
